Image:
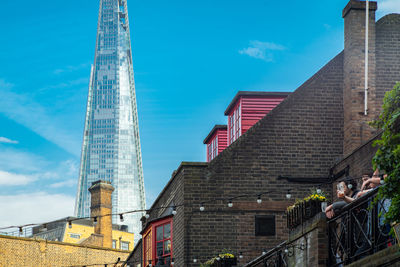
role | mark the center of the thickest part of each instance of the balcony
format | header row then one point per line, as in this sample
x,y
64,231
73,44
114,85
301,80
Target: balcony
x,y
358,231
357,236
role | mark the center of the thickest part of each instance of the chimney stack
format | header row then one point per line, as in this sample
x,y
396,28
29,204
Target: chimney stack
x,y
101,205
356,128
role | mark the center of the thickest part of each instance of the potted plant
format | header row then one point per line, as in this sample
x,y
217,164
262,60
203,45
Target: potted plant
x,y
224,259
305,208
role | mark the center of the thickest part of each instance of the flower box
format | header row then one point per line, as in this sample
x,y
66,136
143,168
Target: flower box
x,y
225,262
304,210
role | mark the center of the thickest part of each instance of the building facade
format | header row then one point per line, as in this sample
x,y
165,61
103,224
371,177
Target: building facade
x,y
19,251
71,230
111,145
299,145
216,141
247,108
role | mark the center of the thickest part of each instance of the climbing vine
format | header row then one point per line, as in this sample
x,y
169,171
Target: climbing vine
x,y
387,158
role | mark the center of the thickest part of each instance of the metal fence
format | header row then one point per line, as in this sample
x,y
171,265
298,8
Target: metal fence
x,y
276,257
26,232
359,230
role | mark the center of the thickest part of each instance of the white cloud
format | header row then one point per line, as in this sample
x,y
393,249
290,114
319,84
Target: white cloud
x,y
389,6
79,81
12,179
22,109
15,164
261,50
37,207
7,141
13,160
68,69
66,183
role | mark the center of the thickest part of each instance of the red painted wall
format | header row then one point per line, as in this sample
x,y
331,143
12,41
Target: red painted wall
x,y
222,139
252,109
255,108
222,142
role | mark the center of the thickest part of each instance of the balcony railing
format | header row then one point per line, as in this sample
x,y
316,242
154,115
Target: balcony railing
x,y
358,230
276,257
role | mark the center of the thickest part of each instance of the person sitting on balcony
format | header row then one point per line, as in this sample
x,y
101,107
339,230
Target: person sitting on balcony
x,y
347,192
383,205
370,183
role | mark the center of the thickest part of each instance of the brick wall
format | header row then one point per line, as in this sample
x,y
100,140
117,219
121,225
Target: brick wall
x,y
301,137
358,161
387,54
173,194
136,257
356,129
100,194
313,235
15,251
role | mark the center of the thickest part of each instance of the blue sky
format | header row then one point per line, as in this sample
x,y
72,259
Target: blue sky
x,y
190,59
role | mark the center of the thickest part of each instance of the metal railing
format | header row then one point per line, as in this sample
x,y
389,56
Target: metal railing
x,y
26,232
359,230
275,257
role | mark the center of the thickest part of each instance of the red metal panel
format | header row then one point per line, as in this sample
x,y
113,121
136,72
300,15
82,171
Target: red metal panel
x,y
255,108
221,134
222,139
231,132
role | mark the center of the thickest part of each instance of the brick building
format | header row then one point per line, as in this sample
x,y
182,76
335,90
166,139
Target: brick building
x,y
307,139
20,251
72,241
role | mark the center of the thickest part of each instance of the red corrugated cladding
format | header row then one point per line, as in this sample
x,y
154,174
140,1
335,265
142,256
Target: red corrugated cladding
x,y
216,141
247,110
255,108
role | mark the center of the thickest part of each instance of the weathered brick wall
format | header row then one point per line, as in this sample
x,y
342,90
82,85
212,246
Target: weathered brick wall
x,y
313,235
358,161
300,138
173,194
356,129
136,257
27,252
387,54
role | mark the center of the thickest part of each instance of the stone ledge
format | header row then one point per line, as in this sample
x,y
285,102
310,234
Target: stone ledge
x,y
318,220
387,257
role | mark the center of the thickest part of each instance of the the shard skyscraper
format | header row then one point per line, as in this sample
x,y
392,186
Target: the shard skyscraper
x,y
111,145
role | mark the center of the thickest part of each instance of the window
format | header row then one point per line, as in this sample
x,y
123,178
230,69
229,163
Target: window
x,y
209,152
231,131
124,245
265,225
114,243
215,147
163,242
157,243
234,124
212,149
76,236
237,123
147,249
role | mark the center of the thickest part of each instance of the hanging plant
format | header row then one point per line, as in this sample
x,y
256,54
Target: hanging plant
x,y
387,158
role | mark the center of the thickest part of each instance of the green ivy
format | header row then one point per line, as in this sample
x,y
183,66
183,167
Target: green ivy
x,y
387,158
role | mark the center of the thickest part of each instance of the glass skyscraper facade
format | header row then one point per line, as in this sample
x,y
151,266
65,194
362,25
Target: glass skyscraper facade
x,y
111,145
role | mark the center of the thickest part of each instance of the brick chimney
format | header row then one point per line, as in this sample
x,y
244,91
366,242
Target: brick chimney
x,y
356,128
101,205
